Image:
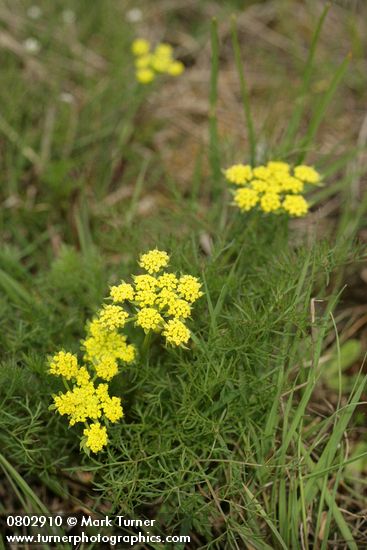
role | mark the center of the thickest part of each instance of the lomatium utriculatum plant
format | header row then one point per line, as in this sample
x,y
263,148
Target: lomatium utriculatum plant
x,y
156,301
275,188
149,63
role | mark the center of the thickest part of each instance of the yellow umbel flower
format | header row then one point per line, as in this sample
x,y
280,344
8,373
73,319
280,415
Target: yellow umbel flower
x,y
107,368
166,297
189,288
144,76
140,46
83,376
261,186
269,187
277,166
122,292
112,317
168,281
295,205
96,437
291,184
176,333
80,404
64,364
145,282
102,343
246,198
154,260
148,319
179,308
238,173
143,62
148,64
170,302
263,173
164,50
112,409
307,174
176,68
270,202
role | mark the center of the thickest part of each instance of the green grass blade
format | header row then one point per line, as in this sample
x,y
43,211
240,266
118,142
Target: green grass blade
x,y
244,91
298,111
214,154
320,109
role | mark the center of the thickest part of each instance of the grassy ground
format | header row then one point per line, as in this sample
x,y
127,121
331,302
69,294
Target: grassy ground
x,y
255,437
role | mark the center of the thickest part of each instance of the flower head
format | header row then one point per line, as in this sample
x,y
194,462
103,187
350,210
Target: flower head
x,y
122,292
176,333
154,260
270,202
296,205
150,63
96,437
270,188
307,174
238,173
246,198
112,317
64,364
140,46
149,318
189,288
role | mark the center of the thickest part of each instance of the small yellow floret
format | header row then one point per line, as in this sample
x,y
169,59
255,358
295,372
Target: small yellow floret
x,y
82,377
277,166
246,198
148,319
179,308
143,62
160,64
307,174
112,317
96,437
168,280
189,288
79,404
176,332
263,173
164,50
113,409
107,368
140,46
122,292
238,173
64,364
261,186
154,260
270,202
291,184
102,343
295,205
145,282
144,76
176,68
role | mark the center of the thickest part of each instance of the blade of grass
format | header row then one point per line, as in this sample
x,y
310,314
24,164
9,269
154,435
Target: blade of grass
x,y
320,109
214,155
244,91
298,111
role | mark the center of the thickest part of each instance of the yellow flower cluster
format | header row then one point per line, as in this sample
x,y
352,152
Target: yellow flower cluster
x,y
149,63
162,301
156,302
273,188
87,401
